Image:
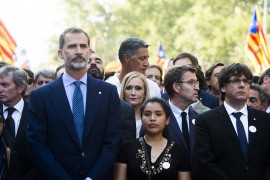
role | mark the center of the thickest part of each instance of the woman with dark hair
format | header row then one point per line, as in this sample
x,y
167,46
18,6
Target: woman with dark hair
x,y
152,156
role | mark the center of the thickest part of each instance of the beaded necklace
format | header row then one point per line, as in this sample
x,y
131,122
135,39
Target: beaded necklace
x,y
164,163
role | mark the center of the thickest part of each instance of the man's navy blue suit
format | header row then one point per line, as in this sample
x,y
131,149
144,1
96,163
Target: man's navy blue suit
x,y
53,141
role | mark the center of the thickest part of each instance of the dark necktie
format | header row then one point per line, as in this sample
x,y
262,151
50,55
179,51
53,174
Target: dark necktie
x,y
241,133
78,110
185,129
10,128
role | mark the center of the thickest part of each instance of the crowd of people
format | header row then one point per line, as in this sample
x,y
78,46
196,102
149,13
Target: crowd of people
x,y
80,123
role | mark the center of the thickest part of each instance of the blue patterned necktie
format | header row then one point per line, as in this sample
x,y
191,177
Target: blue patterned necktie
x,y
241,133
78,110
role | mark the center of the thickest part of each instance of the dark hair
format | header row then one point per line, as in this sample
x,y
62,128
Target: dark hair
x,y
58,69
71,30
157,67
262,94
265,73
193,59
29,73
200,78
130,46
209,71
163,104
235,69
174,75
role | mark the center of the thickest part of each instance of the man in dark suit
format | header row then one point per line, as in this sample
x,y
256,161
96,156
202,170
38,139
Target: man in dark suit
x,y
233,140
13,84
182,87
74,121
187,59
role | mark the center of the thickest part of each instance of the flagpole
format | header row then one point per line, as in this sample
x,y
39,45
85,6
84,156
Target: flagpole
x,y
265,12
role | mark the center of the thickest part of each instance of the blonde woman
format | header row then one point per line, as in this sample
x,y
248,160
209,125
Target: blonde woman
x,y
135,91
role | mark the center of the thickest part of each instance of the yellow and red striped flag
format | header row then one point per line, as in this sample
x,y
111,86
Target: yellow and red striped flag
x,y
7,45
257,47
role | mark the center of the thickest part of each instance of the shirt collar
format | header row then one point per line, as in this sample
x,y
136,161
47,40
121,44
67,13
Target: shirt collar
x,y
176,111
231,110
68,80
18,106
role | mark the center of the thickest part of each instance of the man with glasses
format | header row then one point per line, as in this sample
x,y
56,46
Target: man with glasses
x,y
182,86
43,77
233,140
187,59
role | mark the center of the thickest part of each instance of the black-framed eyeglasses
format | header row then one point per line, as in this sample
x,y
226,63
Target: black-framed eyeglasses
x,y
238,81
30,81
193,83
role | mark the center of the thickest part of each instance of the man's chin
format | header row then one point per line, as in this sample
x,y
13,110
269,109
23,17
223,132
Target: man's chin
x,y
78,66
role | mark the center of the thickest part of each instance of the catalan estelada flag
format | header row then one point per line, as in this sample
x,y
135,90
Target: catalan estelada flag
x,y
7,45
161,57
257,48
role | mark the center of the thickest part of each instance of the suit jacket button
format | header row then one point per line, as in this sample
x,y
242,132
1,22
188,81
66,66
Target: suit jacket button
x,y
246,167
83,154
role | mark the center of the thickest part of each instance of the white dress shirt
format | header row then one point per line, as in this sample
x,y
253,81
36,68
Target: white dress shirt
x,y
177,114
16,115
243,118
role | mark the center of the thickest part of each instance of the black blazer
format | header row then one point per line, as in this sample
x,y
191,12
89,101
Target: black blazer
x,y
128,122
218,150
20,164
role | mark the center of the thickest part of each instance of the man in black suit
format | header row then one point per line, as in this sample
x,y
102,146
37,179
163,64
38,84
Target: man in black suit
x,y
13,84
182,86
233,140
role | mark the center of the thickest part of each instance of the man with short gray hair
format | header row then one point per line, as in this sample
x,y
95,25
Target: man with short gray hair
x,y
43,77
13,85
133,55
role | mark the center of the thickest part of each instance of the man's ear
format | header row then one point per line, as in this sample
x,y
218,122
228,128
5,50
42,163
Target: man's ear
x,y
176,87
126,58
21,88
60,54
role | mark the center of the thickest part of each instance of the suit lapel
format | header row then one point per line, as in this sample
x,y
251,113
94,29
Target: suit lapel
x,y
192,115
225,119
251,123
22,127
93,99
176,129
61,105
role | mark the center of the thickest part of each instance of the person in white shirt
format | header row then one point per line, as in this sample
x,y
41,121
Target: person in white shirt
x,y
133,55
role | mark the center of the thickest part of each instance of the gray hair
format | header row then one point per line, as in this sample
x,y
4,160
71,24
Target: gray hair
x,y
258,88
130,46
45,73
19,76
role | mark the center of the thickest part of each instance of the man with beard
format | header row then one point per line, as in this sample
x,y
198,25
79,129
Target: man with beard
x,y
74,121
95,66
